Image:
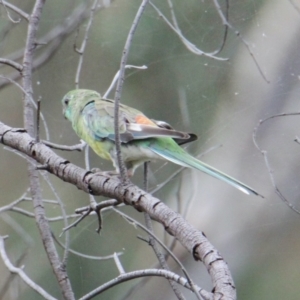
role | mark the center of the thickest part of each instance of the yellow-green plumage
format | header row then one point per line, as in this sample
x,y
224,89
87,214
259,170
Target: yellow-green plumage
x,y
142,139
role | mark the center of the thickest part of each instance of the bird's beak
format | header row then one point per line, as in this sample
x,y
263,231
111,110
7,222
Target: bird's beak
x,y
64,113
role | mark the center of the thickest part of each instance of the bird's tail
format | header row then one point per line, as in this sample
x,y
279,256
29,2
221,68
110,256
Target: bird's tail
x,y
182,158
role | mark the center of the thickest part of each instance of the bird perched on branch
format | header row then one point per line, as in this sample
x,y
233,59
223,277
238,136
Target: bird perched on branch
x,y
142,139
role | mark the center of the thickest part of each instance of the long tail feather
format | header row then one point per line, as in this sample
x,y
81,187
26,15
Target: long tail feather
x,y
184,159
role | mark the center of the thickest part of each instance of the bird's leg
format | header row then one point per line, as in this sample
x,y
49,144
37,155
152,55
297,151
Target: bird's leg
x,y
130,167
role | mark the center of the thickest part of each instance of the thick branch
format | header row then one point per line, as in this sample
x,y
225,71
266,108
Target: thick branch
x,y
97,184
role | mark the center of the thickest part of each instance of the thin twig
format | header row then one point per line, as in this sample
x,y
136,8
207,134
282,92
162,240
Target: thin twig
x,y
84,43
70,20
267,163
12,64
77,147
93,203
191,47
238,34
13,204
21,273
136,223
31,215
111,256
188,44
116,77
64,216
53,40
141,273
188,204
92,209
6,283
8,14
16,9
19,229
103,205
74,224
118,264
118,92
32,102
38,114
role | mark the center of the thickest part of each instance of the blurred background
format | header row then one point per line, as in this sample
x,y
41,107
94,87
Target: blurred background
x,y
221,101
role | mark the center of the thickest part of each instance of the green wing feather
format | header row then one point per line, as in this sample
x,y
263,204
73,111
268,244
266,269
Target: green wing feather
x,y
98,116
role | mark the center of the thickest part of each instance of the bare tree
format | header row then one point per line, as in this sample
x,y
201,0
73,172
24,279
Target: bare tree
x,y
49,173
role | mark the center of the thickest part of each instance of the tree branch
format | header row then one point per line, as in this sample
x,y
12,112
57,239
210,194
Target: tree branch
x,y
97,184
35,189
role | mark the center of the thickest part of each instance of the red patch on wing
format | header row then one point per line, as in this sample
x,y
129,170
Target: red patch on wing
x,y
141,119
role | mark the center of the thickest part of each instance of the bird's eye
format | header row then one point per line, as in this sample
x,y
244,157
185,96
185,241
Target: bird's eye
x,y
66,101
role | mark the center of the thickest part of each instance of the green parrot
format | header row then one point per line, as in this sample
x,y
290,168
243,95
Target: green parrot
x,y
142,139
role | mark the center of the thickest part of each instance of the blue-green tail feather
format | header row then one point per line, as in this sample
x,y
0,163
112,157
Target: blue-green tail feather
x,y
180,157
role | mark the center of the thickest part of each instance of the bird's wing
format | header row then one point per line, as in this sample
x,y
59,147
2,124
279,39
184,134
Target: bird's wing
x,y
179,141
98,116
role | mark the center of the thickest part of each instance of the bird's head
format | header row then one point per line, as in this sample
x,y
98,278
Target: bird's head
x,y
75,101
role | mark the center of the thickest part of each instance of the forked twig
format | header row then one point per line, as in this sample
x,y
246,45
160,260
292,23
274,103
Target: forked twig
x,y
267,163
93,208
238,34
178,31
116,77
21,273
16,9
190,46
